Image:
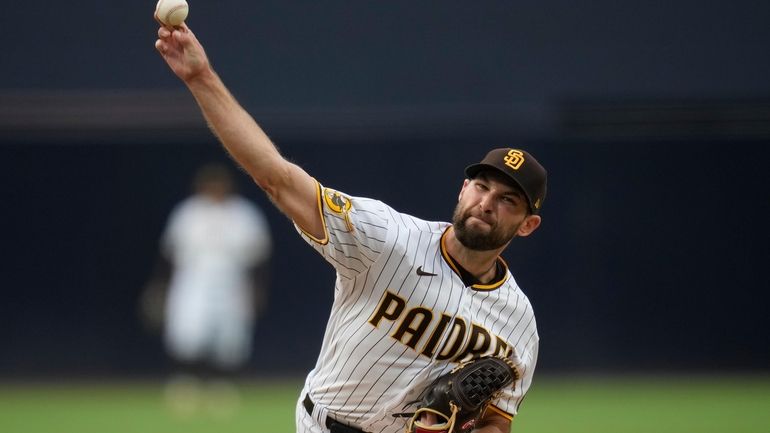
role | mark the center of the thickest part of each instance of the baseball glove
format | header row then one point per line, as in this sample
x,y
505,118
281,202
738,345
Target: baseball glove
x,y
459,398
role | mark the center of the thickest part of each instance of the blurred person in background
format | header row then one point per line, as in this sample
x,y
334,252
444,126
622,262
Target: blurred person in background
x,y
207,290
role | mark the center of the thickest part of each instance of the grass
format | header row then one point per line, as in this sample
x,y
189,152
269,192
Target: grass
x,y
138,408
555,404
648,404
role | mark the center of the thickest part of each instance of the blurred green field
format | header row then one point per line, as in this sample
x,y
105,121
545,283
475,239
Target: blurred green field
x,y
555,404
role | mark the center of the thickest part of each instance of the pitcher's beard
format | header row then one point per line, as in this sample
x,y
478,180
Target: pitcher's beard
x,y
475,240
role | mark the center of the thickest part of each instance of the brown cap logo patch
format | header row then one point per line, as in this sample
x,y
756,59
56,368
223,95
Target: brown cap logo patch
x,y
514,159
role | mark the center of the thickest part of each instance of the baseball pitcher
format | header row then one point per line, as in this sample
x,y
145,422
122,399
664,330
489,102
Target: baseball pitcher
x,y
429,331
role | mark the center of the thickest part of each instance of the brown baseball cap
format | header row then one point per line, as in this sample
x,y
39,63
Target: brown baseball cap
x,y
519,166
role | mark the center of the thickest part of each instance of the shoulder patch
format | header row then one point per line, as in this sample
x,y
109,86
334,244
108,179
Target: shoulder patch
x,y
339,204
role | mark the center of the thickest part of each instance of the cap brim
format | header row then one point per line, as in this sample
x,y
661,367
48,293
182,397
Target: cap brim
x,y
472,170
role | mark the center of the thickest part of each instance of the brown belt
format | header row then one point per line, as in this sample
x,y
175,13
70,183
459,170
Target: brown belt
x,y
333,425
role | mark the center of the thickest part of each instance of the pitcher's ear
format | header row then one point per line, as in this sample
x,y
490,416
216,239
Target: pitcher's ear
x,y
530,224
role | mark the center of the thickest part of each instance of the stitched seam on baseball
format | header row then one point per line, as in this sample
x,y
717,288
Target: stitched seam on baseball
x,y
171,12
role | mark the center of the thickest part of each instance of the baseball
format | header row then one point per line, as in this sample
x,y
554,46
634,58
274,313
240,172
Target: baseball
x,y
172,12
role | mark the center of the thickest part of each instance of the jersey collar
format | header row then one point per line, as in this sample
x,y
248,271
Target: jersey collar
x,y
501,274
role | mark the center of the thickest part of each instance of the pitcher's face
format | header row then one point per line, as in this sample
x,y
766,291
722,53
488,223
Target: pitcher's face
x,y
490,213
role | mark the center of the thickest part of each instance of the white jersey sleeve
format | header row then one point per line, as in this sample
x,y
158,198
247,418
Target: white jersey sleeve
x,y
355,231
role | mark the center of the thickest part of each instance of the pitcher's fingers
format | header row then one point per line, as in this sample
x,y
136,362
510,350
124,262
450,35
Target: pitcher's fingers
x,y
429,418
163,32
160,46
182,35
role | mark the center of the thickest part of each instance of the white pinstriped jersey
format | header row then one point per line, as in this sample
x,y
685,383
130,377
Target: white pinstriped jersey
x,y
402,315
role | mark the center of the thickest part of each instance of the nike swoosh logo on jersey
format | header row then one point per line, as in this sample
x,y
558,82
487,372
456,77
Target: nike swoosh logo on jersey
x,y
422,273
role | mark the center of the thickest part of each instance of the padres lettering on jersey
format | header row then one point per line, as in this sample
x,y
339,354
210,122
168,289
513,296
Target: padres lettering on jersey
x,y
464,345
402,316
